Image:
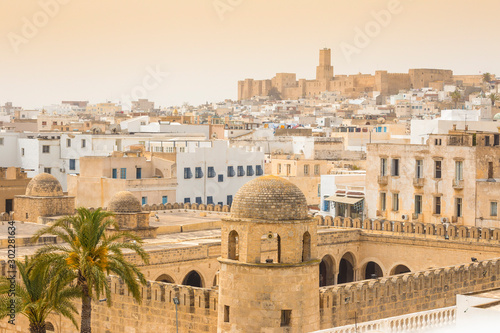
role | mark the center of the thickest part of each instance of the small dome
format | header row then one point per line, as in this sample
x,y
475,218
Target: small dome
x,y
44,185
124,202
497,116
269,198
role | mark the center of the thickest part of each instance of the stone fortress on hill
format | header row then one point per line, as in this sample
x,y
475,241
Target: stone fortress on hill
x,y
351,86
271,267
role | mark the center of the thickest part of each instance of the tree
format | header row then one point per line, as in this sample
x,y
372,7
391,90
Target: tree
x,y
456,96
274,94
494,98
34,300
486,77
91,253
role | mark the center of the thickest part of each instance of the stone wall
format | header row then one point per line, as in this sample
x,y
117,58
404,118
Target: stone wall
x,y
29,209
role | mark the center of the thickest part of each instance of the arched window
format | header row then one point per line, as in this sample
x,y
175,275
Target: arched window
x,y
346,268
270,248
373,270
306,246
326,271
233,246
193,279
400,269
165,278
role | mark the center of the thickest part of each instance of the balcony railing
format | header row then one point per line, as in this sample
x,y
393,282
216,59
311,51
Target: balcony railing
x,y
458,184
419,321
383,180
418,182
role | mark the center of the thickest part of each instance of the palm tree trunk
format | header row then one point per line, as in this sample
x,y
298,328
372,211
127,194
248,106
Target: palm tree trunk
x,y
37,328
85,326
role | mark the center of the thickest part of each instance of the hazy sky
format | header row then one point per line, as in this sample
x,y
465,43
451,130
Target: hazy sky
x,y
100,50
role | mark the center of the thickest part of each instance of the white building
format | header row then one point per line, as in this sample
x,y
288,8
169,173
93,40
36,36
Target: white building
x,y
343,194
214,174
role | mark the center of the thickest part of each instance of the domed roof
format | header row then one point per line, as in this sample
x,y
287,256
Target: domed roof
x,y
497,116
44,185
124,202
269,198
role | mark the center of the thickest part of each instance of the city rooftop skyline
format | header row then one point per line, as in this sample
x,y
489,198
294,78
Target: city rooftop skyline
x,y
196,51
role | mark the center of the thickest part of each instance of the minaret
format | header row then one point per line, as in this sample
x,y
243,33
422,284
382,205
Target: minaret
x,y
269,275
324,72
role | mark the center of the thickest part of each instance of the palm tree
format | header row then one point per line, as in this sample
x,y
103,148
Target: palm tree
x,y
486,77
493,98
456,96
34,300
91,253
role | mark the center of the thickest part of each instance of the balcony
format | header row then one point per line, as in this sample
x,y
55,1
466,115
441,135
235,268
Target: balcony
x,y
383,180
458,184
418,182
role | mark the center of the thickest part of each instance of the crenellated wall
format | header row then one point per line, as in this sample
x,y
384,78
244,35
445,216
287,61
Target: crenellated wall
x,y
412,292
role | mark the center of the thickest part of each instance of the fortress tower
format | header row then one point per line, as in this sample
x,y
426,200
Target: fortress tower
x,y
324,72
269,278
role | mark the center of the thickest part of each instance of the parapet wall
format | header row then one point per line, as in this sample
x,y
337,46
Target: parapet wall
x,y
449,232
195,206
406,293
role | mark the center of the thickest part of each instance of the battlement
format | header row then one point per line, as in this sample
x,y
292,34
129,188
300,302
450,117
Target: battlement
x,y
405,293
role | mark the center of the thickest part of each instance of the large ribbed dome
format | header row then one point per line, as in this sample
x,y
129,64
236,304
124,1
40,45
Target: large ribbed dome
x,y
124,202
269,198
44,185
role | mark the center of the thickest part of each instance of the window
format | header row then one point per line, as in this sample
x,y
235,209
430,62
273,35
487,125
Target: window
x,y
316,169
486,140
259,171
164,199
68,142
230,171
226,313
437,142
382,201
72,164
54,123
211,172
418,204
419,169
306,169
187,200
288,169
123,173
279,168
44,123
47,170
493,208
437,169
496,140
459,170
1,141
45,149
250,170
286,316
144,200
437,205
114,173
383,167
395,167
241,171
22,151
138,173
229,200
221,178
395,202
198,173
210,200
84,143
198,200
458,207
490,170
187,173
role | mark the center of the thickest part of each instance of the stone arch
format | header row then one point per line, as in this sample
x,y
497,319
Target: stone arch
x,y
233,246
452,231
210,207
409,227
193,279
348,222
486,234
218,208
474,232
158,173
270,248
226,209
202,207
419,228
399,269
329,220
216,279
319,220
496,234
357,223
430,229
306,246
165,278
387,226
346,268
462,231
398,226
337,222
194,206
377,225
367,224
49,327
327,271
372,270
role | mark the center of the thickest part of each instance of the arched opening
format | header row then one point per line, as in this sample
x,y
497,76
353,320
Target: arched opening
x,y
216,279
326,274
306,246
373,270
400,269
270,248
193,279
49,327
165,278
158,173
346,268
233,246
